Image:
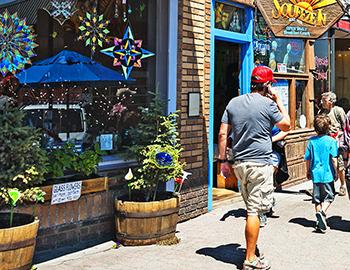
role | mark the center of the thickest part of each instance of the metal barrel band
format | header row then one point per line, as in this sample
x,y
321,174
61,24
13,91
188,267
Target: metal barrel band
x,y
123,236
17,245
161,213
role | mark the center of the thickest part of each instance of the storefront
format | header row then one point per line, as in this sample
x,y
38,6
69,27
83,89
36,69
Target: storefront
x,y
289,37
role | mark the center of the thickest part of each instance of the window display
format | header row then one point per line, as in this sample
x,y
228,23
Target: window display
x,y
229,17
300,105
283,55
68,86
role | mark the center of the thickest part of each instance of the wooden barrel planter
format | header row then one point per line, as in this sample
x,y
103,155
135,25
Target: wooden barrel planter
x,y
17,244
146,223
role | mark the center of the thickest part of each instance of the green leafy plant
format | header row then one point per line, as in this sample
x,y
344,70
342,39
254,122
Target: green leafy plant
x,y
67,158
22,161
158,151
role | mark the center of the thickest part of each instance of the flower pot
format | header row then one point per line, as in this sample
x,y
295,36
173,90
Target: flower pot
x,y
17,244
146,223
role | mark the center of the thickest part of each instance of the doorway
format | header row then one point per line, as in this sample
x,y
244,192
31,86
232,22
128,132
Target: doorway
x,y
226,86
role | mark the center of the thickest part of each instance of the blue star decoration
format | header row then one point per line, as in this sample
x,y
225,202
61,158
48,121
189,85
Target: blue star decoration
x,y
127,52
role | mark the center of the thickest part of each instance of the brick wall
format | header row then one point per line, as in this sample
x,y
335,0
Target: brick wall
x,y
194,76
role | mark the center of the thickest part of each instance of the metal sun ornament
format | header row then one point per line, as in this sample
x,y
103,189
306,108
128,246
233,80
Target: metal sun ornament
x,y
93,30
127,52
61,10
16,43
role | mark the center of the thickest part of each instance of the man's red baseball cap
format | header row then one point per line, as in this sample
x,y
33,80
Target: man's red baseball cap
x,y
262,74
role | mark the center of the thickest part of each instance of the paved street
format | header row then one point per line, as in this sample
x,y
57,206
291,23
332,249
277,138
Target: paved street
x,y
216,241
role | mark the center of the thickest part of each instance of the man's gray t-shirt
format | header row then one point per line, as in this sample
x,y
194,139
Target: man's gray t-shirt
x,y
252,117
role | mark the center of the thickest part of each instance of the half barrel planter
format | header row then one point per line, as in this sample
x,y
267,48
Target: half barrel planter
x,y
146,223
17,244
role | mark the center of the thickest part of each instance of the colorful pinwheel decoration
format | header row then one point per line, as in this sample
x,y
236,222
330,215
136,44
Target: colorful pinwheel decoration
x,y
127,52
93,30
221,17
16,43
62,10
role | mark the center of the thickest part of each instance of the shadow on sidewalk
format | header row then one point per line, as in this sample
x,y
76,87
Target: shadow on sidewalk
x,y
337,223
230,253
303,222
237,213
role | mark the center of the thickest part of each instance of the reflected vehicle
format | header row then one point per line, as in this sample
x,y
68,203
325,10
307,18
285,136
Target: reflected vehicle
x,y
58,123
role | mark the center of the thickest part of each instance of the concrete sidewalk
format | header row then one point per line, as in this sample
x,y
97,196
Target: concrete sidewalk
x,y
216,241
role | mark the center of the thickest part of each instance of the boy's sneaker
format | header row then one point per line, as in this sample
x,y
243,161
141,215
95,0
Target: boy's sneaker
x,y
258,263
321,221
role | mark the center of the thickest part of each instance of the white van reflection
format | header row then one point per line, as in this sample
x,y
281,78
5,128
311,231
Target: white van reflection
x,y
58,123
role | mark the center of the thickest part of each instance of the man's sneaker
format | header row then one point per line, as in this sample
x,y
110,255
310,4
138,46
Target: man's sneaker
x,y
258,263
321,221
263,220
342,191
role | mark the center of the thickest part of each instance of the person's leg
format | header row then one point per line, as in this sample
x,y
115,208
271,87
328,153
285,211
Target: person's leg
x,y
251,234
341,174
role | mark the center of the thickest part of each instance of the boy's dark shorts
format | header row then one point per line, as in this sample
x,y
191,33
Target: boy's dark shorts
x,y
323,192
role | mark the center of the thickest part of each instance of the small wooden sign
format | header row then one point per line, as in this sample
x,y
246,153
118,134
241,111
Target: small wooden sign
x,y
300,18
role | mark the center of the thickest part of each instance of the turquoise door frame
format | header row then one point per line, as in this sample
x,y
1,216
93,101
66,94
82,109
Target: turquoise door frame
x,y
247,61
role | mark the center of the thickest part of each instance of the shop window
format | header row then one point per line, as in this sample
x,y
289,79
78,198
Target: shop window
x,y
229,17
75,104
321,72
283,55
300,121
342,73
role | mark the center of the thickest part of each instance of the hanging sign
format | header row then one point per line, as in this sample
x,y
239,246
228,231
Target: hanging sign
x,y
66,192
300,18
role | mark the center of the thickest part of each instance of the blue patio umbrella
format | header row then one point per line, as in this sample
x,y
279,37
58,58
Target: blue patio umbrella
x,y
66,67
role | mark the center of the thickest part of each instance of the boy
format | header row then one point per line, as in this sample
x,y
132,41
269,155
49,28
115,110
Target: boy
x,y
321,162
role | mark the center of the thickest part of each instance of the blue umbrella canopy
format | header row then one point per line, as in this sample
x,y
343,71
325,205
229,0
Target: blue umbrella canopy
x,y
68,66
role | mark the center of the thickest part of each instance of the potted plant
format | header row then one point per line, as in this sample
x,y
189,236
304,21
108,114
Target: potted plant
x,y
147,214
22,169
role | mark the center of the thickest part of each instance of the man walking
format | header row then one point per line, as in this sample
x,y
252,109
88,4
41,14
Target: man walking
x,y
250,118
338,118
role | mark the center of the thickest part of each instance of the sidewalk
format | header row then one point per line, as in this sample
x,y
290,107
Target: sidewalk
x,y
216,241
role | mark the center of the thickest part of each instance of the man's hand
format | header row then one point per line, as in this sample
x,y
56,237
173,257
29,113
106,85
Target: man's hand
x,y
273,94
225,168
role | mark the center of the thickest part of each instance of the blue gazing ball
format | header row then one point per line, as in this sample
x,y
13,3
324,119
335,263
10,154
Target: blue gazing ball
x,y
164,159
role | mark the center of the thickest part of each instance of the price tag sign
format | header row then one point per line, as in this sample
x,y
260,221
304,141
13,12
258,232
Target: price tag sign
x,y
66,192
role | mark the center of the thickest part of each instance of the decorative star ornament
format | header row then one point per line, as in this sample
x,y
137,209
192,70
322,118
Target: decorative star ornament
x,y
127,52
61,10
93,29
16,43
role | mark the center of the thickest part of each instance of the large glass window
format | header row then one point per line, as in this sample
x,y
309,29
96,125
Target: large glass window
x,y
282,55
321,73
342,73
77,89
300,105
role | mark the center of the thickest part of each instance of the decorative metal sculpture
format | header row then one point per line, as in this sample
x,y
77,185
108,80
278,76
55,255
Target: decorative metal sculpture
x,y
127,52
16,43
93,30
62,10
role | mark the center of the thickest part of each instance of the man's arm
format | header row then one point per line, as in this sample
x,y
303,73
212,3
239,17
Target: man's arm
x,y
279,136
223,134
284,124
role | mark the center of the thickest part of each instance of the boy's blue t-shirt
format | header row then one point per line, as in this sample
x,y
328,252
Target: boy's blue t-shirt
x,y
320,151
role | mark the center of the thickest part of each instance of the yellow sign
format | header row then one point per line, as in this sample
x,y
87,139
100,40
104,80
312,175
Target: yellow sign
x,y
308,11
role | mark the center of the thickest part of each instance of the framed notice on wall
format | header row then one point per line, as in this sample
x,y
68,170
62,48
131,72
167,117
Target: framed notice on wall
x,y
282,86
193,104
